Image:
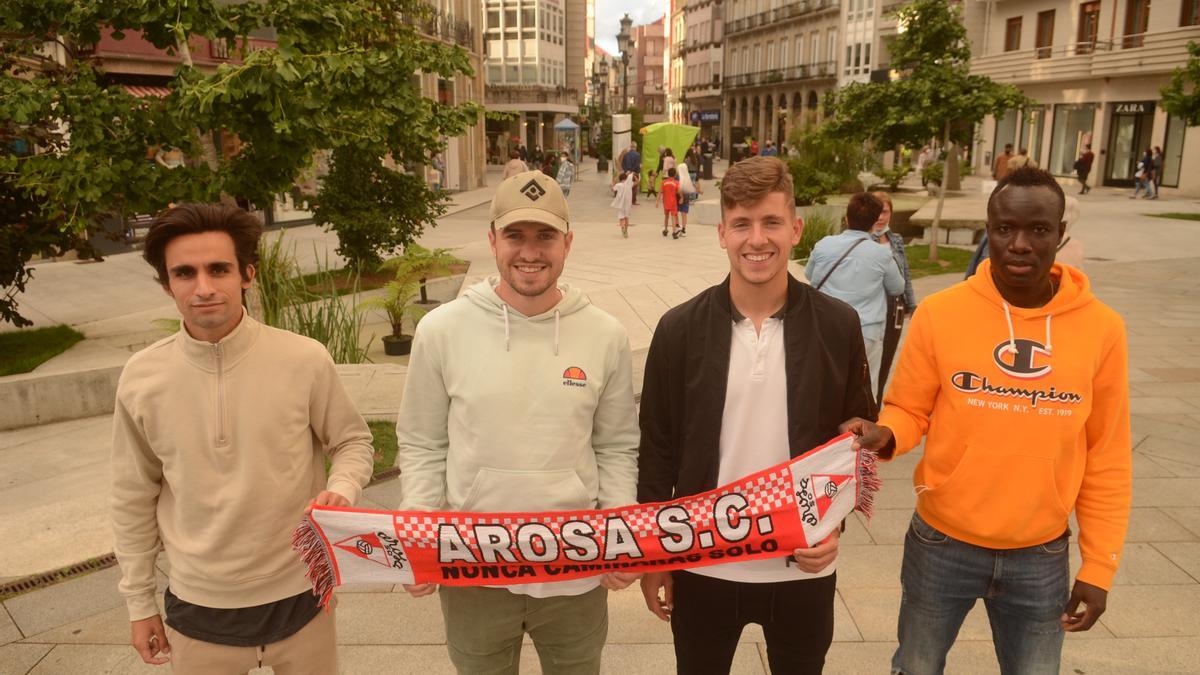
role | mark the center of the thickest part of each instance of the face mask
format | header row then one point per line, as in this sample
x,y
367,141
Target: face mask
x,y
880,233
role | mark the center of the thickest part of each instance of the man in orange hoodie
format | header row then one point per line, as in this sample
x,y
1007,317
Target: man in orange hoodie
x,y
1017,379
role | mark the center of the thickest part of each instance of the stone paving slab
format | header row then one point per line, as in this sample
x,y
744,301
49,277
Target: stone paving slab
x,y
19,659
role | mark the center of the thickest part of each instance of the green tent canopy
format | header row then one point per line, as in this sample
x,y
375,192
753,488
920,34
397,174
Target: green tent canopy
x,y
677,137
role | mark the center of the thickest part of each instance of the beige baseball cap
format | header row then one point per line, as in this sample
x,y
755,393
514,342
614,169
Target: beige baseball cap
x,y
530,197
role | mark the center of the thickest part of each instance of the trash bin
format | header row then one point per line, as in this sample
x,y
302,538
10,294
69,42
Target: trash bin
x,y
706,167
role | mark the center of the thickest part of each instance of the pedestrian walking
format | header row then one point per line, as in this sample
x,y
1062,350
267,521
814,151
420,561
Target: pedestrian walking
x,y
861,276
566,173
632,163
1017,380
1083,167
1144,176
689,191
670,203
1000,166
1157,163
486,425
622,201
515,165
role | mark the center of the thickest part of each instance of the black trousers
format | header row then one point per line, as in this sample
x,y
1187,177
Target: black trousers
x,y
893,326
709,615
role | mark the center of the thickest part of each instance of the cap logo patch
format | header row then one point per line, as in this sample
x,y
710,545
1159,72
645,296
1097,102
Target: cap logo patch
x,y
533,190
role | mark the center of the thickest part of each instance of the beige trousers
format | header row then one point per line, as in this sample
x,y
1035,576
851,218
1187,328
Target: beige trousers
x,y
310,651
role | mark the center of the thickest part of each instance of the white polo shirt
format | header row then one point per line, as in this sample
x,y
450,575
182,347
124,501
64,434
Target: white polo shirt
x,y
754,433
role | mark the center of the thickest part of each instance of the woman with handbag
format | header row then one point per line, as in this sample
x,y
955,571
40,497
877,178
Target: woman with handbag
x,y
688,194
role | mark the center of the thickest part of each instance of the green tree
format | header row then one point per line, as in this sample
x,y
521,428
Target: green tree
x,y
341,76
935,95
1181,96
824,164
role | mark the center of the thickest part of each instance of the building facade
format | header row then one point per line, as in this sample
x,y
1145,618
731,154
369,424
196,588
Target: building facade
x,y
647,73
537,68
1095,68
700,66
780,58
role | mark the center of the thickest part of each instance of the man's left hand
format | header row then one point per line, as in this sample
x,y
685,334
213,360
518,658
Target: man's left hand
x,y
817,558
327,498
1094,599
615,581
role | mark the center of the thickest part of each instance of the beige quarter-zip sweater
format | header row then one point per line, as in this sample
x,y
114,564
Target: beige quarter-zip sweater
x,y
217,449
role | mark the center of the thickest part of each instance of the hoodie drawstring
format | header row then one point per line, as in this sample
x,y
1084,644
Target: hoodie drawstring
x,y
1012,338
504,310
556,317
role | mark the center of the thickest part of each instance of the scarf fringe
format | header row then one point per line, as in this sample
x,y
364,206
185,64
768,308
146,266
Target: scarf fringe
x,y
869,482
308,544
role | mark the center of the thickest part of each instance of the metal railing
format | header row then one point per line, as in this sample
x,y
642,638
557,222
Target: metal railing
x,y
811,71
438,25
773,16
525,93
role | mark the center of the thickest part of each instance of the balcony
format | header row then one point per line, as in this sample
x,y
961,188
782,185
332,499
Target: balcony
x,y
525,95
813,71
771,18
1131,55
447,28
696,46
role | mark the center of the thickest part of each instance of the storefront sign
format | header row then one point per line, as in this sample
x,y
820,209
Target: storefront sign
x,y
1134,107
706,116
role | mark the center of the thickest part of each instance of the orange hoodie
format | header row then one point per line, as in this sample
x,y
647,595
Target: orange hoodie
x,y
1026,417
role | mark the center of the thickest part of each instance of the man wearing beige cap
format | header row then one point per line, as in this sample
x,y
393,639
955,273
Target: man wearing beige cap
x,y
519,397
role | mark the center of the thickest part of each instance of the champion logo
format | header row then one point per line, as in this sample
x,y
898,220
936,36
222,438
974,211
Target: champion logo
x,y
533,191
1019,358
574,377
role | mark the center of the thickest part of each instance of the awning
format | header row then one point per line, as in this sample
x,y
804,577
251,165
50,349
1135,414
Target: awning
x,y
146,92
566,125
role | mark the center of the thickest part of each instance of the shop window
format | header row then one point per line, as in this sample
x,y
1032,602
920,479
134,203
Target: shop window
x,y
1012,34
1173,150
1071,131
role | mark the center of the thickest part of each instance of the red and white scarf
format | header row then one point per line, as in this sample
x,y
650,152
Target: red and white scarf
x,y
768,514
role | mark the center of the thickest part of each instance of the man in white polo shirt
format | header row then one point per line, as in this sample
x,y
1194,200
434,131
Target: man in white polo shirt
x,y
748,374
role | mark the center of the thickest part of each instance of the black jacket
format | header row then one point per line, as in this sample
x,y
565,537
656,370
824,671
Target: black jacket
x,y
683,396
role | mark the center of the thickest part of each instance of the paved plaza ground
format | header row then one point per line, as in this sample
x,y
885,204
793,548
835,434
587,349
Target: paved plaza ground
x,y
53,478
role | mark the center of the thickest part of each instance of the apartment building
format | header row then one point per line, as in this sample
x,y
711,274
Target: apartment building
x,y
538,64
780,58
647,88
697,58
1095,68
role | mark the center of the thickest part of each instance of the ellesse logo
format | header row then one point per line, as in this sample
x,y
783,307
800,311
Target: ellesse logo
x,y
1021,360
574,377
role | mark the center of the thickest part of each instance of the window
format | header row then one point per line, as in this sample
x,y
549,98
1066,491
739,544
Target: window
x,y
1173,150
799,51
527,17
770,56
1045,34
857,56
219,48
493,18
1137,17
1188,16
758,62
1012,34
1072,130
510,18
1089,27
849,52
866,57
1032,122
832,51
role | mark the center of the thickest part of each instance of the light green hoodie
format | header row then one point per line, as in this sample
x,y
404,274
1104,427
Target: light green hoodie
x,y
503,412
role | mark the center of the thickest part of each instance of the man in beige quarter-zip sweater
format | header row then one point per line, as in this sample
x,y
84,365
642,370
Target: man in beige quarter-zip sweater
x,y
220,434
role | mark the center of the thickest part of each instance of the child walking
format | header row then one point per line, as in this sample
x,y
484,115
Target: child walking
x,y
623,200
670,201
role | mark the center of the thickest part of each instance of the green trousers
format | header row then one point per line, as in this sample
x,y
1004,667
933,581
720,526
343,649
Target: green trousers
x,y
485,626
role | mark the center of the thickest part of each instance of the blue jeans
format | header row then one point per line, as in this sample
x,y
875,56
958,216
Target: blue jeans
x,y
1025,591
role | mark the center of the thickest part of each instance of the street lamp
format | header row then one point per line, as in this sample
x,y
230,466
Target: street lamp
x,y
625,43
604,86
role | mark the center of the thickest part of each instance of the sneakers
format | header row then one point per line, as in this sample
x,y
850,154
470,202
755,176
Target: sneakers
x,y
664,231
675,235
683,233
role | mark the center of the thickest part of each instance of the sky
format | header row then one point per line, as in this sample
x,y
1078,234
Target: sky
x,y
609,13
